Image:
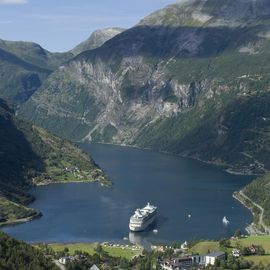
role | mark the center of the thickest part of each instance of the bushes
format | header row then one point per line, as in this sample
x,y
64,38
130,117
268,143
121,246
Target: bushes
x,y
18,255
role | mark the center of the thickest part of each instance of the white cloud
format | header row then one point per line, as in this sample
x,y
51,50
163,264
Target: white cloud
x,y
13,2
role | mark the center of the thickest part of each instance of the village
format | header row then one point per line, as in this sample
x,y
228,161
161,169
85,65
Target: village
x,y
243,251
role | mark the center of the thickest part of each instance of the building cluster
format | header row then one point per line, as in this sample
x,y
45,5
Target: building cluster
x,y
67,259
186,262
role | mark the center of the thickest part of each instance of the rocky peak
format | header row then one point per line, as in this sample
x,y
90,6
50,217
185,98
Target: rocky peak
x,y
210,13
97,39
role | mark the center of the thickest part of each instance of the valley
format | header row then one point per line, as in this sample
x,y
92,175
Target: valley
x,y
31,156
174,110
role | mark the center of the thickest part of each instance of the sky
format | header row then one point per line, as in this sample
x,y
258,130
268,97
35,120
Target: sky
x,y
59,25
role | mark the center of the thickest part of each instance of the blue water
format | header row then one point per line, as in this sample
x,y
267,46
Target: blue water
x,y
88,212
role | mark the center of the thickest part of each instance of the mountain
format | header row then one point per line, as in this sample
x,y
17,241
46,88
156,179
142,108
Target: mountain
x,y
191,79
19,79
31,156
97,39
259,192
34,54
23,67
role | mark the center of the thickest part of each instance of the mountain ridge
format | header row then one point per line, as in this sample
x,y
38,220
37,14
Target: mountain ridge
x,y
97,39
169,77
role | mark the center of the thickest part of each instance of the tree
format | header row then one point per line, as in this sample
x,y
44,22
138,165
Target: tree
x,y
225,243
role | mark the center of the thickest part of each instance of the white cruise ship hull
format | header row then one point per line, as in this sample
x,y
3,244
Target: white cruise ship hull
x,y
143,226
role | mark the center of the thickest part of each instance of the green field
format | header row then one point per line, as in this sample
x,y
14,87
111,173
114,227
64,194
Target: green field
x,y
265,260
263,241
126,252
205,246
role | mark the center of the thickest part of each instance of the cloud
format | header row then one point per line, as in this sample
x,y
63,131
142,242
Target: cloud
x,y
13,2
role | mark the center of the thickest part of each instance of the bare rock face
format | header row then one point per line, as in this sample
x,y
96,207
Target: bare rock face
x,y
172,81
97,39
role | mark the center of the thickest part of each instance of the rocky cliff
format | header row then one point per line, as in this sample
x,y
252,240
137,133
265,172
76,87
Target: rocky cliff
x,y
191,79
97,39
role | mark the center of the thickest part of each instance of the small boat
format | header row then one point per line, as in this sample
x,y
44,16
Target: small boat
x,y
189,216
225,220
155,231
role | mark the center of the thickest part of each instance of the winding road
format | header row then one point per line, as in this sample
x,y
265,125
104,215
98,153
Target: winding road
x,y
261,222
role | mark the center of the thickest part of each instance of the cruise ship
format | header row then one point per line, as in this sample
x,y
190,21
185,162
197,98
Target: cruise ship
x,y
142,218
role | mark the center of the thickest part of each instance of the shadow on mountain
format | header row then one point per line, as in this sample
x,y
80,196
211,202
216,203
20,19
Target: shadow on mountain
x,y
18,161
178,42
11,58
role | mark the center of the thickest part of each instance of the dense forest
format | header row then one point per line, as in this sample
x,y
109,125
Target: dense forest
x,y
259,192
16,255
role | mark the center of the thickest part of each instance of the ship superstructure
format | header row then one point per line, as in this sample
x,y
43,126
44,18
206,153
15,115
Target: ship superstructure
x,y
142,218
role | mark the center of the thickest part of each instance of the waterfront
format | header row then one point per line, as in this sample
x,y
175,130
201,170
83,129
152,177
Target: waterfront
x,y
86,212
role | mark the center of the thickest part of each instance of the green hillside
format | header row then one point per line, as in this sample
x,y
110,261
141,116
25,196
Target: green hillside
x,y
259,192
191,79
31,156
23,68
16,255
34,54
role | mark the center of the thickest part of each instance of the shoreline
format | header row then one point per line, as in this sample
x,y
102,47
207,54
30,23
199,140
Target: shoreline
x,y
37,215
252,228
107,185
224,167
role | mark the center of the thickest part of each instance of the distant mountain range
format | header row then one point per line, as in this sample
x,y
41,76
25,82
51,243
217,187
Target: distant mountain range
x,y
25,65
191,79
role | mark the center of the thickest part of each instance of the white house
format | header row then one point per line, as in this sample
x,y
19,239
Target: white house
x,y
184,246
212,257
94,267
64,260
236,252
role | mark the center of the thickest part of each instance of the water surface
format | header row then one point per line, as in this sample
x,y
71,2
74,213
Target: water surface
x,y
86,212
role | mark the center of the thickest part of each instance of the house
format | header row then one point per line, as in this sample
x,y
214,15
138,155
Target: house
x,y
184,246
211,258
64,260
199,260
94,267
177,264
193,261
236,253
253,249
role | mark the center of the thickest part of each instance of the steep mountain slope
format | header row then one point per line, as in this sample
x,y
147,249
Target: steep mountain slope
x,y
19,79
30,155
34,54
97,39
259,192
191,79
23,67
